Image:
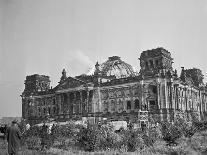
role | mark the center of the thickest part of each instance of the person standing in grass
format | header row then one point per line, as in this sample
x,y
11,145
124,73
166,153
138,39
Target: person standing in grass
x,y
52,134
44,137
13,136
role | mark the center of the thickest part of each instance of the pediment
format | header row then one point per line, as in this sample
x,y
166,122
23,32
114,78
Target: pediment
x,y
71,82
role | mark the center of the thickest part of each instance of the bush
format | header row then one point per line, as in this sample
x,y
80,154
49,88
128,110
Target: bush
x,y
200,125
185,127
86,138
101,138
96,137
170,133
65,135
154,134
33,143
32,132
181,127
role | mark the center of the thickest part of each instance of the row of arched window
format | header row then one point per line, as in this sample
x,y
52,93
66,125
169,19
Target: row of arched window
x,y
49,110
136,104
120,106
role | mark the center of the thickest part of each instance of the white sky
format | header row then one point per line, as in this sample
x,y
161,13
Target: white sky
x,y
45,36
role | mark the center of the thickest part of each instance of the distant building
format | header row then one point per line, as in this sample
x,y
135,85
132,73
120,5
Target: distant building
x,y
116,92
8,120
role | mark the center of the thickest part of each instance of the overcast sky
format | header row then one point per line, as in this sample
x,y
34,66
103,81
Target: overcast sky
x,y
45,36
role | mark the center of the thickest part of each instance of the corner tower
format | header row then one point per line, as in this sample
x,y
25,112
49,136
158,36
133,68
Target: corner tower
x,y
36,83
155,61
157,82
33,85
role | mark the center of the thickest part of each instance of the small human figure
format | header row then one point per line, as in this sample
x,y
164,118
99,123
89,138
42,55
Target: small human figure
x,y
27,126
4,131
44,136
13,135
53,130
130,126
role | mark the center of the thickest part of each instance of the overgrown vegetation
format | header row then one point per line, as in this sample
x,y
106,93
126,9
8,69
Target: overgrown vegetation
x,y
180,137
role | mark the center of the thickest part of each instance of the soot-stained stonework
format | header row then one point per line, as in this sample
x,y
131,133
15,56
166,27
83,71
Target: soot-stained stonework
x,y
116,92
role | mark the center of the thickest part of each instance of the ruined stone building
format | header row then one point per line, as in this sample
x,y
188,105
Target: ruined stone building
x,y
116,92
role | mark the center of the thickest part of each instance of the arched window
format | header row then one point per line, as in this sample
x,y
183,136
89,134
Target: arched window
x,y
44,111
120,105
54,110
77,95
128,105
153,89
144,107
157,63
113,105
72,97
151,64
39,112
189,103
49,110
105,106
146,65
136,104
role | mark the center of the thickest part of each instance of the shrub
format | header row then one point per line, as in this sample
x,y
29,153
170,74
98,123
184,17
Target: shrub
x,y
170,133
132,140
185,127
154,134
200,125
32,132
96,137
86,138
33,142
105,137
65,135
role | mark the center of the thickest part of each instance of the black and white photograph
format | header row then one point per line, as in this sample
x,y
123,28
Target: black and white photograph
x,y
103,77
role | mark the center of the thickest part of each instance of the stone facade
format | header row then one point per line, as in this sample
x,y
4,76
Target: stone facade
x,y
116,92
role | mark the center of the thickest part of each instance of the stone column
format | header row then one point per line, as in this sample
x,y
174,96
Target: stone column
x,y
158,96
175,97
166,99
58,104
159,99
142,95
61,104
81,103
90,106
75,104
166,95
87,102
181,99
186,101
68,104
71,104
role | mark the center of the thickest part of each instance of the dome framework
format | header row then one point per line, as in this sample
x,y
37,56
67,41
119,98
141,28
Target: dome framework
x,y
114,66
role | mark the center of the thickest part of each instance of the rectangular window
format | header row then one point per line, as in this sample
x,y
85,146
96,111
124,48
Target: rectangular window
x,y
127,92
151,64
119,94
146,65
111,94
157,63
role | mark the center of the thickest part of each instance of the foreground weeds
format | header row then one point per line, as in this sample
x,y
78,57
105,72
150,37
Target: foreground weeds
x,y
178,138
196,145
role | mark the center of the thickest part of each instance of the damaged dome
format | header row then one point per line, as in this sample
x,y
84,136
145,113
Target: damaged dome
x,y
114,66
